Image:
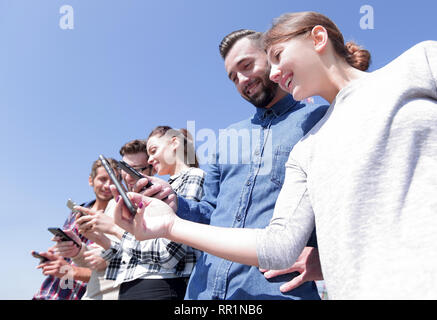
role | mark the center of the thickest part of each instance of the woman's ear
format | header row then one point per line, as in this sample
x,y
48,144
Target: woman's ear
x,y
319,35
175,143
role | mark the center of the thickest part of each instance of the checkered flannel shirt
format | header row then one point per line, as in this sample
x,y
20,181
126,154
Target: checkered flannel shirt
x,y
51,287
156,258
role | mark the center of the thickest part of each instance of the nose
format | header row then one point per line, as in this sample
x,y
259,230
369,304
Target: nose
x,y
150,160
275,74
242,79
107,184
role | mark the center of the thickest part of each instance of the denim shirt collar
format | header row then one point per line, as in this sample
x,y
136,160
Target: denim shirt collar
x,y
278,109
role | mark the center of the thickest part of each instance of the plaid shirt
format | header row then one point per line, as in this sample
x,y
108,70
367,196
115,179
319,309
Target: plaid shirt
x,y
50,288
156,258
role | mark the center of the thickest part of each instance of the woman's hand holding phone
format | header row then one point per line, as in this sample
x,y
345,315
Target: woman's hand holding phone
x,y
154,218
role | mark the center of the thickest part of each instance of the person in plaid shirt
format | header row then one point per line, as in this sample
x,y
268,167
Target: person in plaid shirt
x,y
55,286
157,269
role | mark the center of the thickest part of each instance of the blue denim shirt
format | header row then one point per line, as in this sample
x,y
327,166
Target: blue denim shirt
x,y
241,187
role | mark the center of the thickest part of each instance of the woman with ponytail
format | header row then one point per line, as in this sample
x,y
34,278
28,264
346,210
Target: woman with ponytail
x,y
364,176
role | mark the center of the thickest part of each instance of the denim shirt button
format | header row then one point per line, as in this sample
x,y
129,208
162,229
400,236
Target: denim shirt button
x,y
248,183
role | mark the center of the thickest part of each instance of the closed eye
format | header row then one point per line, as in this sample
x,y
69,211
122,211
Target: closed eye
x,y
277,55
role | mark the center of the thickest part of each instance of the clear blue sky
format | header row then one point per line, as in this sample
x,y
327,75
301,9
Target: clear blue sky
x,y
67,96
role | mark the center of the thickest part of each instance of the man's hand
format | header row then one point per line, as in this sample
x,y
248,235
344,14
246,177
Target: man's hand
x,y
95,221
67,248
94,260
160,190
308,265
56,266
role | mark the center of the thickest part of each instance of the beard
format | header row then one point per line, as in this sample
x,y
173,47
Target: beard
x,y
265,95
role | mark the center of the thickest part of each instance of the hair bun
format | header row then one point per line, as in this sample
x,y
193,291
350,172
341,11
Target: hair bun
x,y
357,57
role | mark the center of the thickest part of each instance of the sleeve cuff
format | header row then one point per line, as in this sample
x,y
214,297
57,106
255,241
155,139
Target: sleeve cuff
x,y
183,208
111,252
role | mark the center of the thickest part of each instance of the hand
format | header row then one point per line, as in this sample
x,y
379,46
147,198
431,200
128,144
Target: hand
x,y
94,221
308,265
67,248
160,190
94,260
56,266
154,218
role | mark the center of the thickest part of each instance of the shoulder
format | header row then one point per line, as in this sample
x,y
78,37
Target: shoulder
x,y
316,110
416,53
195,172
308,115
239,125
425,45
88,203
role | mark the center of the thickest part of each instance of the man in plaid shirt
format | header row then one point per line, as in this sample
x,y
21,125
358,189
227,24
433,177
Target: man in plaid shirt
x,y
54,286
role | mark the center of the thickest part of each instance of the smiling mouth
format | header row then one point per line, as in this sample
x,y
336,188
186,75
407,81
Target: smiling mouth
x,y
155,166
251,86
288,81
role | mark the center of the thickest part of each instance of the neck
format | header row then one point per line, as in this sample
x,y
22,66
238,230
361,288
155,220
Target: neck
x,y
278,97
100,204
338,76
178,167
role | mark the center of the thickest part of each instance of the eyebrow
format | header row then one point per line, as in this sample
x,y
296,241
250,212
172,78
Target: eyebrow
x,y
148,148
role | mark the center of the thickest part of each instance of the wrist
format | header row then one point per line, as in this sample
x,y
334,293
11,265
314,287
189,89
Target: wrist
x,y
173,228
80,251
81,274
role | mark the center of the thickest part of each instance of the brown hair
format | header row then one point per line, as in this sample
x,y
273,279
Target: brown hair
x,y
228,41
290,25
190,158
98,163
134,146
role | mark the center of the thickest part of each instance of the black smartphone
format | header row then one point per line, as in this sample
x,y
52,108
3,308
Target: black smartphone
x,y
118,185
134,173
40,257
61,234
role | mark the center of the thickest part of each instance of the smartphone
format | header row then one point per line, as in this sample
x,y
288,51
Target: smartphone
x,y
71,204
61,234
134,173
118,185
40,257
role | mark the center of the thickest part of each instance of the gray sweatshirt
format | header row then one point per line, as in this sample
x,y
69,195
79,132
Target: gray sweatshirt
x,y
366,177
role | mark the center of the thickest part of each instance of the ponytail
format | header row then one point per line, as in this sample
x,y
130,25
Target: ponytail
x,y
357,57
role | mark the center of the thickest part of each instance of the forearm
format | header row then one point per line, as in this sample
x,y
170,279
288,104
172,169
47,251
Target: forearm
x,y
104,242
81,274
117,232
235,244
191,210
